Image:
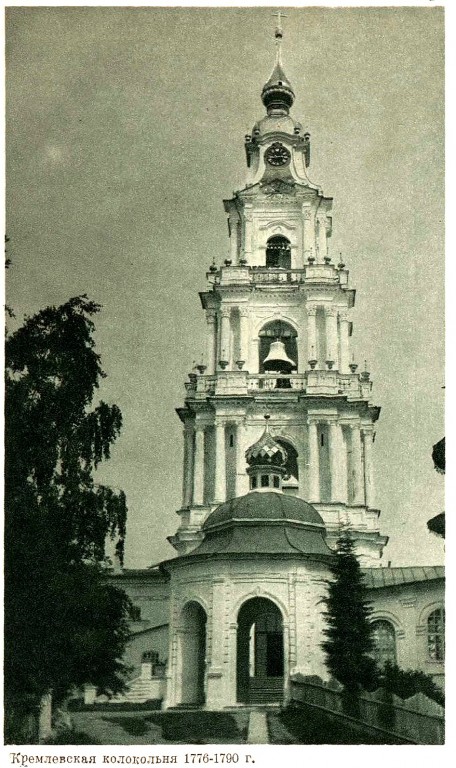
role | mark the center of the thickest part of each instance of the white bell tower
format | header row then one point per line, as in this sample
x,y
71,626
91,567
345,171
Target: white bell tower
x,y
278,342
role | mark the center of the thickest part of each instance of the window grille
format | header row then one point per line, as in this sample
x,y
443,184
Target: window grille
x,y
436,635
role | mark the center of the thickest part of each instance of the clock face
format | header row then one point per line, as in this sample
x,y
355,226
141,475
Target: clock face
x,y
277,154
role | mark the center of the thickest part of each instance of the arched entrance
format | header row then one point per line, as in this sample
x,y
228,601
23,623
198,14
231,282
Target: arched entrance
x,y
193,653
260,655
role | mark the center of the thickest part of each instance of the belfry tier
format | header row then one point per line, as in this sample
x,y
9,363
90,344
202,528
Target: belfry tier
x,y
278,342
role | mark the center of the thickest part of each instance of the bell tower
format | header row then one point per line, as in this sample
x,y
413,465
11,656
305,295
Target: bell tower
x,y
278,342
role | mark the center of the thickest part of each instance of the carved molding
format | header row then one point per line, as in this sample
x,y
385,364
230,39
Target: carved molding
x,y
278,187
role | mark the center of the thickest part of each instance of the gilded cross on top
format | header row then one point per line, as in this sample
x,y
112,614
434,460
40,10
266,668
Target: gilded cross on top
x,y
280,16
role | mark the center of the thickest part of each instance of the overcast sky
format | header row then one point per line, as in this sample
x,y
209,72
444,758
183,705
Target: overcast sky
x,y
125,131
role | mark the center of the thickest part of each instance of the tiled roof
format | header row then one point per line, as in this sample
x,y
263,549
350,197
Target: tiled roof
x,y
378,578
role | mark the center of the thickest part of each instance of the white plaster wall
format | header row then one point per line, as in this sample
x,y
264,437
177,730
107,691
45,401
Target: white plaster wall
x,y
222,587
407,607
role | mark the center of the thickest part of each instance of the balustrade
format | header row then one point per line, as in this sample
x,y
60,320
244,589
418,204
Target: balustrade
x,y
273,275
326,381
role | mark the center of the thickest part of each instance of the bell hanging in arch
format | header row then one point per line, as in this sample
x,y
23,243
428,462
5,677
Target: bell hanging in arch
x,y
277,359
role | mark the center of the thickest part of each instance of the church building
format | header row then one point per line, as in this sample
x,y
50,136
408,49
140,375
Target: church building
x,y
278,429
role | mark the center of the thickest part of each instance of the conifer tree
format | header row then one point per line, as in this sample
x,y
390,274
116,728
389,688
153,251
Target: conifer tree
x,y
349,634
64,625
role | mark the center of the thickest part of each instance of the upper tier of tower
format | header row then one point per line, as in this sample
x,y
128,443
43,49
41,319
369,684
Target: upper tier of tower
x,y
278,145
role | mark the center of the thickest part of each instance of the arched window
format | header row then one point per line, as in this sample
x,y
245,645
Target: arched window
x,y
278,252
384,642
436,635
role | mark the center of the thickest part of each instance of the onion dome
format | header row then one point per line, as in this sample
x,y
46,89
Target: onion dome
x,y
269,523
277,94
266,459
266,451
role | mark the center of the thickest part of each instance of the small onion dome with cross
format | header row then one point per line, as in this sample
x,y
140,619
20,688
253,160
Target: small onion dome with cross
x,y
277,94
267,462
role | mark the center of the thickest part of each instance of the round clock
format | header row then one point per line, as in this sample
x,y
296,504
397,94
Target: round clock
x,y
277,154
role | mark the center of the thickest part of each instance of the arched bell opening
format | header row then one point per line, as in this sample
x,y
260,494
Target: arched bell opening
x,y
193,653
278,351
260,652
278,252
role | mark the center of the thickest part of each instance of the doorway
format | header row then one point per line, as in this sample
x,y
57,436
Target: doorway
x,y
260,652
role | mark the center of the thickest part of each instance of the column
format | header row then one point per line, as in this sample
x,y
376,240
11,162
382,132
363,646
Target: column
x,y
343,467
335,451
225,335
198,475
356,466
311,332
248,233
309,235
322,247
254,357
331,335
344,348
220,462
303,490
314,464
233,239
242,484
188,466
244,334
368,437
210,341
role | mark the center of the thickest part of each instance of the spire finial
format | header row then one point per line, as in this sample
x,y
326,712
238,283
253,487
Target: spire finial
x,y
278,34
277,95
279,31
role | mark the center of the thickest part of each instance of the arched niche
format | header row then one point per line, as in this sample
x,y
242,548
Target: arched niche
x,y
193,653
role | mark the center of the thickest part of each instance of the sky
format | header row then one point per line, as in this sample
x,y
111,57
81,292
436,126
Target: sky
x,y
125,130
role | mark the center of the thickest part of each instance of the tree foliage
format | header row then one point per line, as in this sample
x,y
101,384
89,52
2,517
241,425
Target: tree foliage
x,y
349,634
407,682
64,624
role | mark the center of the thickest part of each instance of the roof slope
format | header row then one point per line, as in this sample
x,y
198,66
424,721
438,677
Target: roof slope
x,y
378,578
